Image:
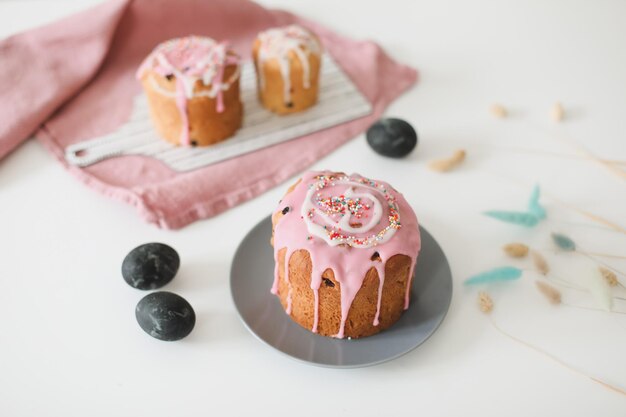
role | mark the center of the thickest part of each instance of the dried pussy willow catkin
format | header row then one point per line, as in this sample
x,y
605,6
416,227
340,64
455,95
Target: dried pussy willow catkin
x,y
552,294
609,276
485,303
499,111
557,112
516,250
540,263
447,164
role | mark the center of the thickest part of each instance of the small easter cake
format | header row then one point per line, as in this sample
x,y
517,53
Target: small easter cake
x,y
345,249
287,62
192,86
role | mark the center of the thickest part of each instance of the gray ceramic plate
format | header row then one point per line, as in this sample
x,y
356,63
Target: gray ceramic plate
x,y
251,278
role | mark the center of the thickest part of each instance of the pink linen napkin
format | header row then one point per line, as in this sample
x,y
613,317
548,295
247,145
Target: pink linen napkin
x,y
74,80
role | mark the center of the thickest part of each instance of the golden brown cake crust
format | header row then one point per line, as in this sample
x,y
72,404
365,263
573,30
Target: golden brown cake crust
x,y
363,308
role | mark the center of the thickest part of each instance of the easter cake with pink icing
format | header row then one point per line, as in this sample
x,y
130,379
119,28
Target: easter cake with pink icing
x,y
345,249
287,62
192,87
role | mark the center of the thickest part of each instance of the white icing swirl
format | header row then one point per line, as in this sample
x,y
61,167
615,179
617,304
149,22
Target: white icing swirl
x,y
332,218
191,59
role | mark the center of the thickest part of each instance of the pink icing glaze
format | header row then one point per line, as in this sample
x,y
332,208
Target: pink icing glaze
x,y
361,215
192,59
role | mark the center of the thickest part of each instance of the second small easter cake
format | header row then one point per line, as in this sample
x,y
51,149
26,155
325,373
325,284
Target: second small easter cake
x,y
287,62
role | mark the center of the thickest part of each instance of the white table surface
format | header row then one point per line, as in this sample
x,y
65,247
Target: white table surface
x,y
69,341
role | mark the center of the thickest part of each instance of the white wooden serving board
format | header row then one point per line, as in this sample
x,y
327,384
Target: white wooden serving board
x,y
339,101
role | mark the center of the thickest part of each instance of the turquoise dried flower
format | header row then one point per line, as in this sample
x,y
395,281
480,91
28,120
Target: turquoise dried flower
x,y
533,204
515,217
529,218
563,242
504,273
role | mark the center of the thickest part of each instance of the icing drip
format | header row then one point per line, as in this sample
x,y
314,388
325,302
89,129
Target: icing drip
x,y
277,44
288,310
287,257
192,59
349,224
380,269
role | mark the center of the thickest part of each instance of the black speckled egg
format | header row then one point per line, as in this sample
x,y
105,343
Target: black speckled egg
x,y
150,266
165,316
394,138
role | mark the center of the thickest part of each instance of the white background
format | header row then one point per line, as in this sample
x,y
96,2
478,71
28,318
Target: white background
x,y
69,343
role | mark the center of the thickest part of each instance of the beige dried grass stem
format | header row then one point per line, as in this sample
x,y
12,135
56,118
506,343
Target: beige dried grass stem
x,y
556,359
517,149
590,155
565,283
604,264
600,310
602,255
586,253
485,303
589,215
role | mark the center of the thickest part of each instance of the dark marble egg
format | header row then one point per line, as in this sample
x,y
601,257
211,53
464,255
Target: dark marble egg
x,y
165,316
150,266
394,138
